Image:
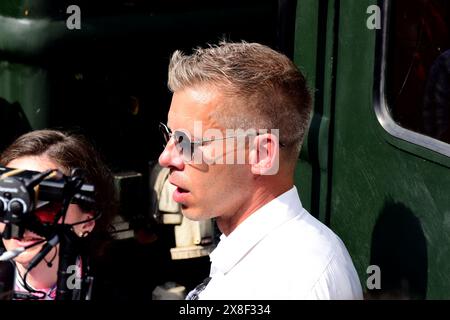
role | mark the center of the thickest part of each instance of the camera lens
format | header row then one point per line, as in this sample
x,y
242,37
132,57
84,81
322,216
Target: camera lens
x,y
17,207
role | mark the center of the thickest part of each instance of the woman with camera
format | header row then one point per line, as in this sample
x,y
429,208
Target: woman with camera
x,y
88,223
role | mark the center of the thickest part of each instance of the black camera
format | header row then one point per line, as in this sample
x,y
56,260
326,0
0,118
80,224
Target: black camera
x,y
22,192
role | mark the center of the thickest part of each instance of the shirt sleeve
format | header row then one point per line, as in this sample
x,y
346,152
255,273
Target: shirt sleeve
x,y
339,281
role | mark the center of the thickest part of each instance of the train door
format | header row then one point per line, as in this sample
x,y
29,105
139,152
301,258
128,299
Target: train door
x,y
376,162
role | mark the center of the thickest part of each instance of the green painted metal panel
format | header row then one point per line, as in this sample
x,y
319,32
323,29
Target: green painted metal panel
x,y
371,168
314,54
305,53
29,86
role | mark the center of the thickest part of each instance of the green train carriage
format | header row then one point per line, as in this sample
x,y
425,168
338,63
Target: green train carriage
x,y
375,163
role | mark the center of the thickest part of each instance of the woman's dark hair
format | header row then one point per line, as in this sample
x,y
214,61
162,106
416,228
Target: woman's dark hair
x,y
70,151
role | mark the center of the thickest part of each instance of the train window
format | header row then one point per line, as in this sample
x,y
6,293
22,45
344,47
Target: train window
x,y
417,87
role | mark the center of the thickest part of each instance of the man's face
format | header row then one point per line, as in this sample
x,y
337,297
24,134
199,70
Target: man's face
x,y
204,189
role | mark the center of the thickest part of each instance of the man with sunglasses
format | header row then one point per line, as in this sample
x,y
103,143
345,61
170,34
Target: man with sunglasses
x,y
235,126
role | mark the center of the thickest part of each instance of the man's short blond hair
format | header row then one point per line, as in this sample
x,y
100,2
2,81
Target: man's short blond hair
x,y
263,89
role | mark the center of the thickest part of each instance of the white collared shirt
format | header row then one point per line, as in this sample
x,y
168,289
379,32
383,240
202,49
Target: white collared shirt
x,y
281,252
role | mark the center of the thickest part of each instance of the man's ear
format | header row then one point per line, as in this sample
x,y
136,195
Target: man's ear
x,y
264,155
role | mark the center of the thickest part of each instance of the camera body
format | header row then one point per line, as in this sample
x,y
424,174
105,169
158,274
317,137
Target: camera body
x,y
24,191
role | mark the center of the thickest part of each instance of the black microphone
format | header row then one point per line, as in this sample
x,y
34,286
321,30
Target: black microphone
x,y
44,251
7,275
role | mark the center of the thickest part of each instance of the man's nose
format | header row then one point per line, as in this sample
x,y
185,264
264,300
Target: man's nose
x,y
170,157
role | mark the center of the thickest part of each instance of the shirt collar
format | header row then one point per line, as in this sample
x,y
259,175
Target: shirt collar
x,y
237,244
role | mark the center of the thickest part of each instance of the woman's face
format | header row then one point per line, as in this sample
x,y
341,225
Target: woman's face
x,y
74,213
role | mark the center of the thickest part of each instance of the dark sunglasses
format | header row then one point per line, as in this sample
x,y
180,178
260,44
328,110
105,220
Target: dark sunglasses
x,y
185,146
182,141
47,212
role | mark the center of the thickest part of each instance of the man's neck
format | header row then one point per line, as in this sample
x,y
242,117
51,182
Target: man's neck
x,y
260,197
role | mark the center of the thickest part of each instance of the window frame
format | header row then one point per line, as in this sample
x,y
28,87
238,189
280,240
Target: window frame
x,y
381,104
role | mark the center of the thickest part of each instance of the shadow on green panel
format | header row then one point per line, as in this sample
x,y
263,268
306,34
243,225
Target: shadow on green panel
x,y
399,249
